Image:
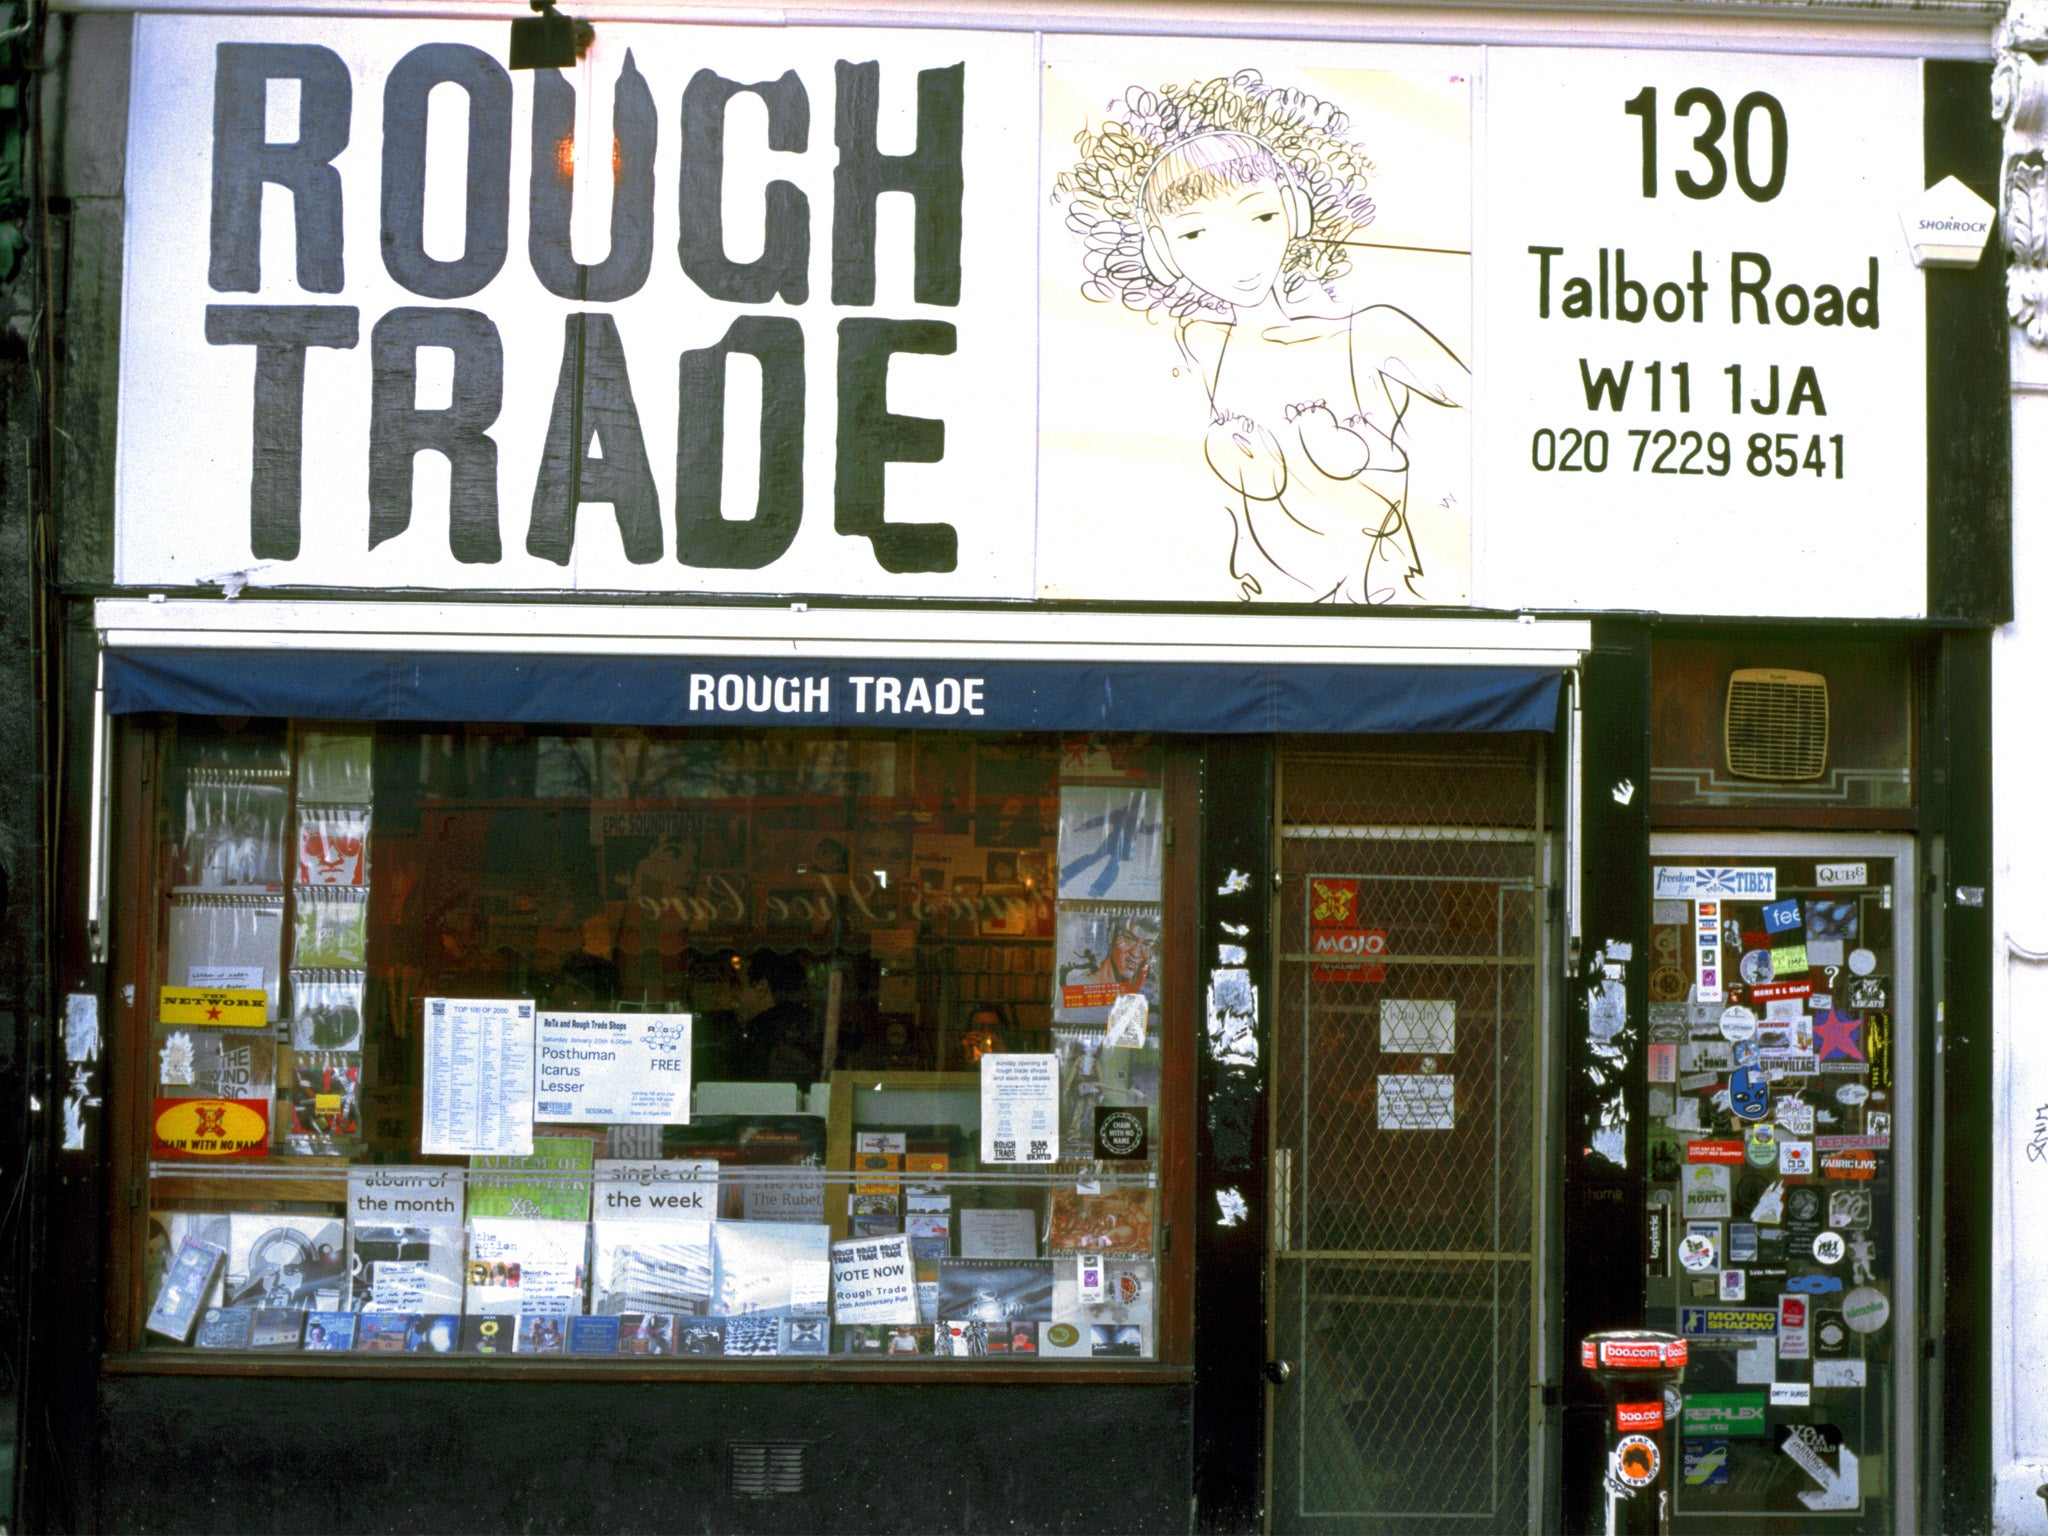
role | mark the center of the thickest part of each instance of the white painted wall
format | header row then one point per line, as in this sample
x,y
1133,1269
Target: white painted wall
x,y
2020,1149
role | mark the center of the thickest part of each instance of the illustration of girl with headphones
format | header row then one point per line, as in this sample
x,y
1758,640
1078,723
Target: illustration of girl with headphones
x,y
1234,207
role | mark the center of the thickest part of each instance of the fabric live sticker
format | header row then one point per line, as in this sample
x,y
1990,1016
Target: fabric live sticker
x,y
1020,1108
216,1008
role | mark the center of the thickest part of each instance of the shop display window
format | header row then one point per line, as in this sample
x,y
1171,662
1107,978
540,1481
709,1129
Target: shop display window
x,y
618,1044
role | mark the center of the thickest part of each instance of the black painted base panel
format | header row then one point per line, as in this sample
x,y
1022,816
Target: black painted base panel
x,y
211,1454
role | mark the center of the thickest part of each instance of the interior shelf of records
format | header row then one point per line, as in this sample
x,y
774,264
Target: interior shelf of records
x,y
259,1043
573,1252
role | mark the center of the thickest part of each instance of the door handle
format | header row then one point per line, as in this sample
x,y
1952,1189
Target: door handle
x,y
1277,1372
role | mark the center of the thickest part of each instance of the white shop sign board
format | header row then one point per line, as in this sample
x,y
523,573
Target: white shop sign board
x,y
614,1069
1435,345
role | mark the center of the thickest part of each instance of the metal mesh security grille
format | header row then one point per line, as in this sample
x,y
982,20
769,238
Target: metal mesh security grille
x,y
1405,1109
758,1469
1777,725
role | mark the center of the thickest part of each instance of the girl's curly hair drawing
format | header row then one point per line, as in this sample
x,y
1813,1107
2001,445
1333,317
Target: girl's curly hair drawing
x,y
1107,191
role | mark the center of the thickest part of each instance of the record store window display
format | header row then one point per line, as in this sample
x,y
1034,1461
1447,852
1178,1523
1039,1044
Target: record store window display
x,y
627,1043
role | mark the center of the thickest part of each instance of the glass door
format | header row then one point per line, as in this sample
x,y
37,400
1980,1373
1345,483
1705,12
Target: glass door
x,y
1781,1107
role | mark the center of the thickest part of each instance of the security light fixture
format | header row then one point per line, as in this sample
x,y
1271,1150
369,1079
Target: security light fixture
x,y
549,40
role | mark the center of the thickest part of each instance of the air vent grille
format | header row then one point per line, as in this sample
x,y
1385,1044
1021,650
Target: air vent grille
x,y
760,1469
1777,725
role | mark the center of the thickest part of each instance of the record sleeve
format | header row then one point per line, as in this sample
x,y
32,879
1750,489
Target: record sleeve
x,y
214,1063
862,1338
327,1010
1128,1307
331,929
521,1266
965,1338
194,1266
326,1104
234,830
1114,1220
996,1290
218,940
700,1335
382,1333
276,1328
329,1330
647,1333
542,1333
298,1263
1111,846
657,1266
224,1328
806,1336
760,1266
758,1334
489,1335
1104,952
593,1335
405,1239
336,766
433,1333
333,844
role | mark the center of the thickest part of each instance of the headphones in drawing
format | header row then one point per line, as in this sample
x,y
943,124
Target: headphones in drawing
x,y
1294,202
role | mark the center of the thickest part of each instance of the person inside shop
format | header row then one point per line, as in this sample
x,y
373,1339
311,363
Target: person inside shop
x,y
779,1038
986,1034
585,983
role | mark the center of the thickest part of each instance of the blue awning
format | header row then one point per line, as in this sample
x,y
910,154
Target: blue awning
x,y
1196,698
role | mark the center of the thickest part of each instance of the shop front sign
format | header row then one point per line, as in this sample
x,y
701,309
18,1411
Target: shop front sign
x,y
945,313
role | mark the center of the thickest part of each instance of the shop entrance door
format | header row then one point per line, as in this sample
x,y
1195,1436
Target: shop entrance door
x,y
1408,1106
1783,1168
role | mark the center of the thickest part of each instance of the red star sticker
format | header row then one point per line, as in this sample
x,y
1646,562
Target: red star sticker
x,y
1835,1037
212,1013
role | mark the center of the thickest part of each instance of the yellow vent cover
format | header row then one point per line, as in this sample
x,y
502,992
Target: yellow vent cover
x,y
1777,725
